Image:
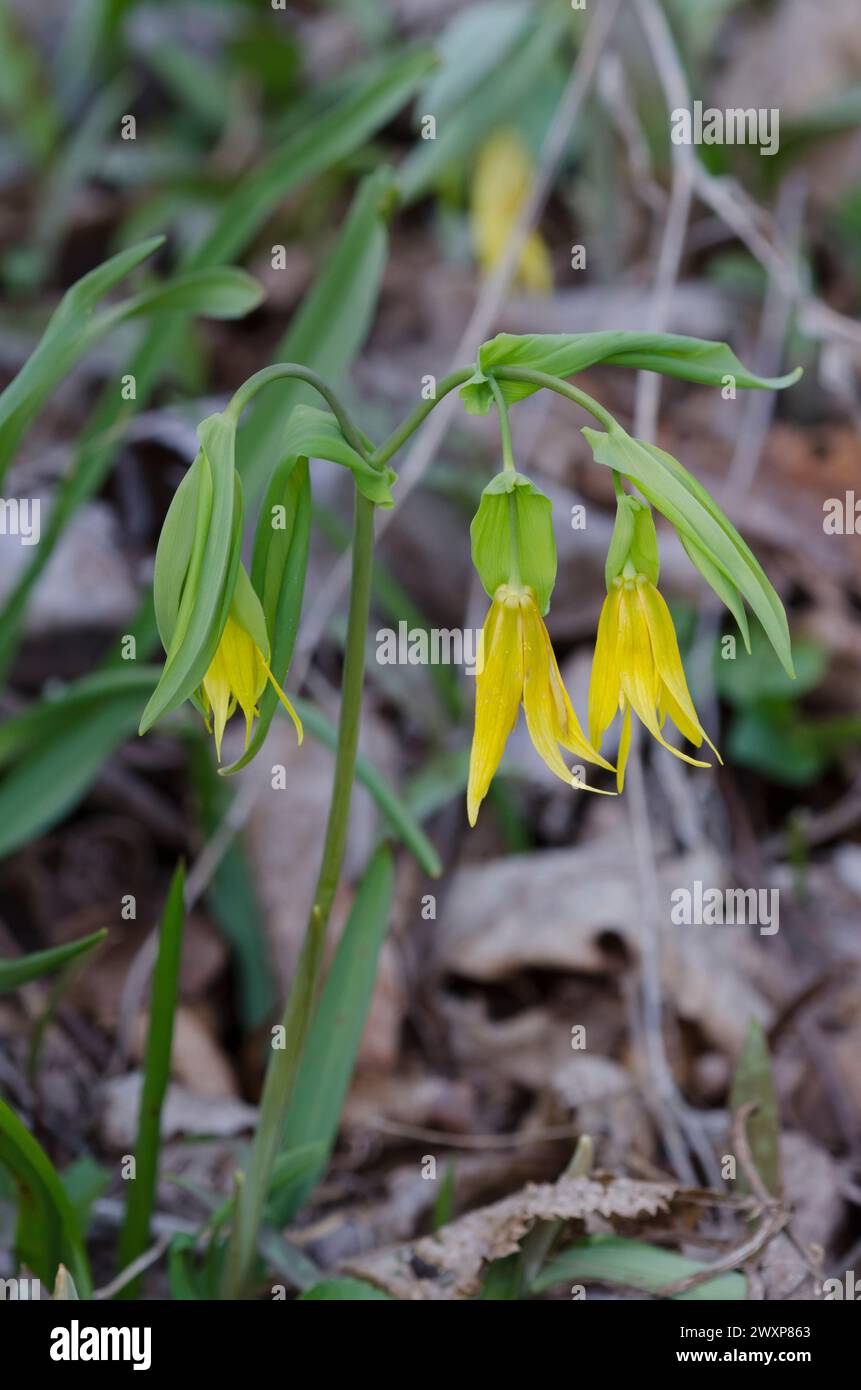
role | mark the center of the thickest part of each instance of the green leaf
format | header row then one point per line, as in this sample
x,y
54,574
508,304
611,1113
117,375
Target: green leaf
x,y
723,587
231,897
328,329
319,143
344,1290
209,582
754,1082
514,518
57,770
313,433
315,147
472,47
563,354
401,820
165,990
488,104
278,575
696,516
774,742
58,711
84,1182
48,1233
749,680
14,973
336,1031
220,292
68,336
634,1264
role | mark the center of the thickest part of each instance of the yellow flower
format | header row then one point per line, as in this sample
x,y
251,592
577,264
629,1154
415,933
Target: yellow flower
x,y
518,666
637,666
237,676
500,187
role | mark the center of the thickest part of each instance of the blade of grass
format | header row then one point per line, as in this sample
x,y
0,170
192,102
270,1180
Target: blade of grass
x,y
330,1052
48,1233
14,973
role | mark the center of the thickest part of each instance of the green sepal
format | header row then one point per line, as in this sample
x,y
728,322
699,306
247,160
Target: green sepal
x,y
513,531
634,538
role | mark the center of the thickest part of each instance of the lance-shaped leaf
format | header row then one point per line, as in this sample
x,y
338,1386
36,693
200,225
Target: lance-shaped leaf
x,y
14,973
194,623
696,516
336,1031
563,354
65,340
48,1233
221,292
62,745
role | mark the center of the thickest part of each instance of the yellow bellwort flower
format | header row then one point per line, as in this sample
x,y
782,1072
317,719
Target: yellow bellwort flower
x,y
637,666
237,676
519,667
500,187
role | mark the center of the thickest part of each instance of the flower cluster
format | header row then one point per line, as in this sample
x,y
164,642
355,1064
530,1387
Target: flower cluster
x,y
637,665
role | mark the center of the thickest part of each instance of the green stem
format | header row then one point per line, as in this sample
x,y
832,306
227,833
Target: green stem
x,y
284,1063
504,426
248,390
412,422
562,388
618,485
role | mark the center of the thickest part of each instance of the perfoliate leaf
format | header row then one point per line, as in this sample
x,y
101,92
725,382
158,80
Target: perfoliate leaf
x,y
313,433
563,354
278,576
514,523
683,500
210,577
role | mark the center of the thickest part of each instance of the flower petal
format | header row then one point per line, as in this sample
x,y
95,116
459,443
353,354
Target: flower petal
x,y
498,688
604,682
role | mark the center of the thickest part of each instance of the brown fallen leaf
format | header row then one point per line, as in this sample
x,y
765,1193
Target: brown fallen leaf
x,y
449,1264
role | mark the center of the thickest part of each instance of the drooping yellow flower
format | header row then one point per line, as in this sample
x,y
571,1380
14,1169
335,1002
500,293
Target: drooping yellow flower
x,y
237,676
518,666
637,666
500,188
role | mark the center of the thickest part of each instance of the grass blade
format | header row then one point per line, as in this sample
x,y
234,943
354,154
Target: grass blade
x,y
336,1031
48,1233
14,973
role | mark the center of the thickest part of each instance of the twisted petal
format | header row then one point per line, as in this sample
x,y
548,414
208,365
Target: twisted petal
x,y
624,748
641,682
237,676
498,689
604,686
674,696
